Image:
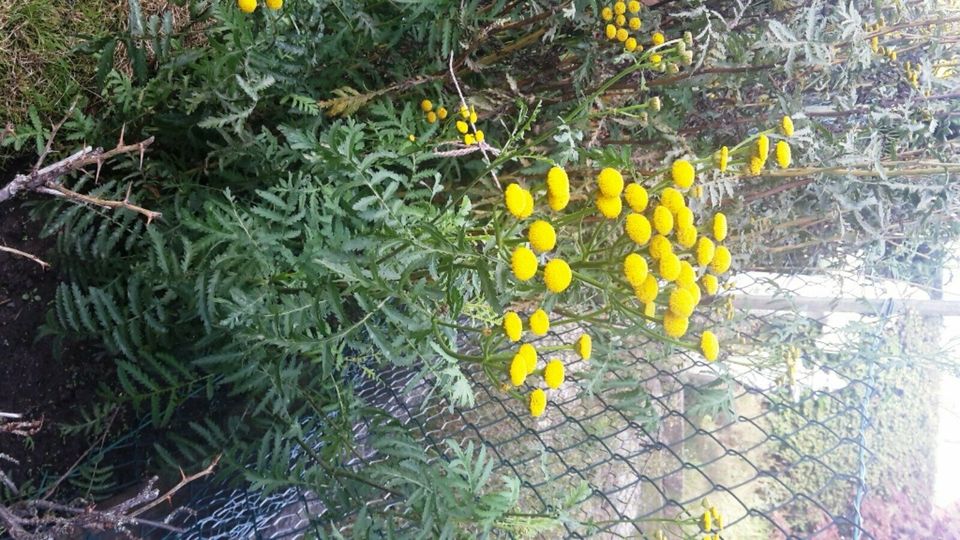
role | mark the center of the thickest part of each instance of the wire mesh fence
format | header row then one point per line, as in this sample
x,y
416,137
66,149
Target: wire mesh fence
x,y
646,434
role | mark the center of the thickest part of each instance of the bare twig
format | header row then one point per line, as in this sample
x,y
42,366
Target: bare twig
x,y
25,254
184,480
22,428
53,134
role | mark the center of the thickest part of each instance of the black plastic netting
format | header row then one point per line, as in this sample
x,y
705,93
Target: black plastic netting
x,y
650,436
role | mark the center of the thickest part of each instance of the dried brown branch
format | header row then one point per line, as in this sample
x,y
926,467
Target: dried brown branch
x,y
22,428
184,480
24,254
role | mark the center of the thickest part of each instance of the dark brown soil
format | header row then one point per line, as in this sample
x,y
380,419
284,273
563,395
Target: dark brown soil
x,y
34,381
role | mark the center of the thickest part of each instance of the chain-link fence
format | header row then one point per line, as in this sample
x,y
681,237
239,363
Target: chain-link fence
x,y
780,443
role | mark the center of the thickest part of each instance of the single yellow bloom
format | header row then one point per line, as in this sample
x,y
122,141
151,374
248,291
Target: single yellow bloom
x,y
707,522
542,236
524,263
638,228
635,269
786,126
464,112
469,139
723,158
719,227
274,4
694,291
662,219
681,302
633,6
683,173
539,322
610,182
442,113
635,23
650,309
609,207
783,154
657,39
557,275
426,105
518,370
630,45
711,349
606,14
675,326
538,402
553,374
557,181
721,260
684,217
620,20
620,8
480,136
585,346
611,31
462,126
648,290
412,138
636,197
655,59
763,147
687,277
512,326
519,202
622,35
710,284
473,115
658,246
705,251
558,202
672,199
669,266
755,166
529,354
431,117
686,235
247,6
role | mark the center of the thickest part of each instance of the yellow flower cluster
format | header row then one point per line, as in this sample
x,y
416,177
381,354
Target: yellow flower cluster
x,y
431,115
249,6
875,46
465,122
619,20
711,520
913,74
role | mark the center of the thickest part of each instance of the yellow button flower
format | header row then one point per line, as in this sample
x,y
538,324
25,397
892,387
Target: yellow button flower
x,y
462,126
469,139
609,207
539,322
247,6
553,374
650,309
473,114
538,402
584,346
611,31
683,173
658,246
620,20
684,217
710,284
657,39
442,113
610,182
721,260
638,228
480,136
512,326
648,290
675,326
558,188
426,106
707,522
519,202
464,112
662,220
783,154
412,138
622,35
529,354
719,227
687,277
686,236
669,266
558,202
763,147
518,370
786,126
542,236
655,59
709,346
274,4
630,45
431,117
636,197
620,8
635,23
606,14
705,250
681,302
723,158
557,275
755,166
635,269
672,199
633,6
523,263
694,291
